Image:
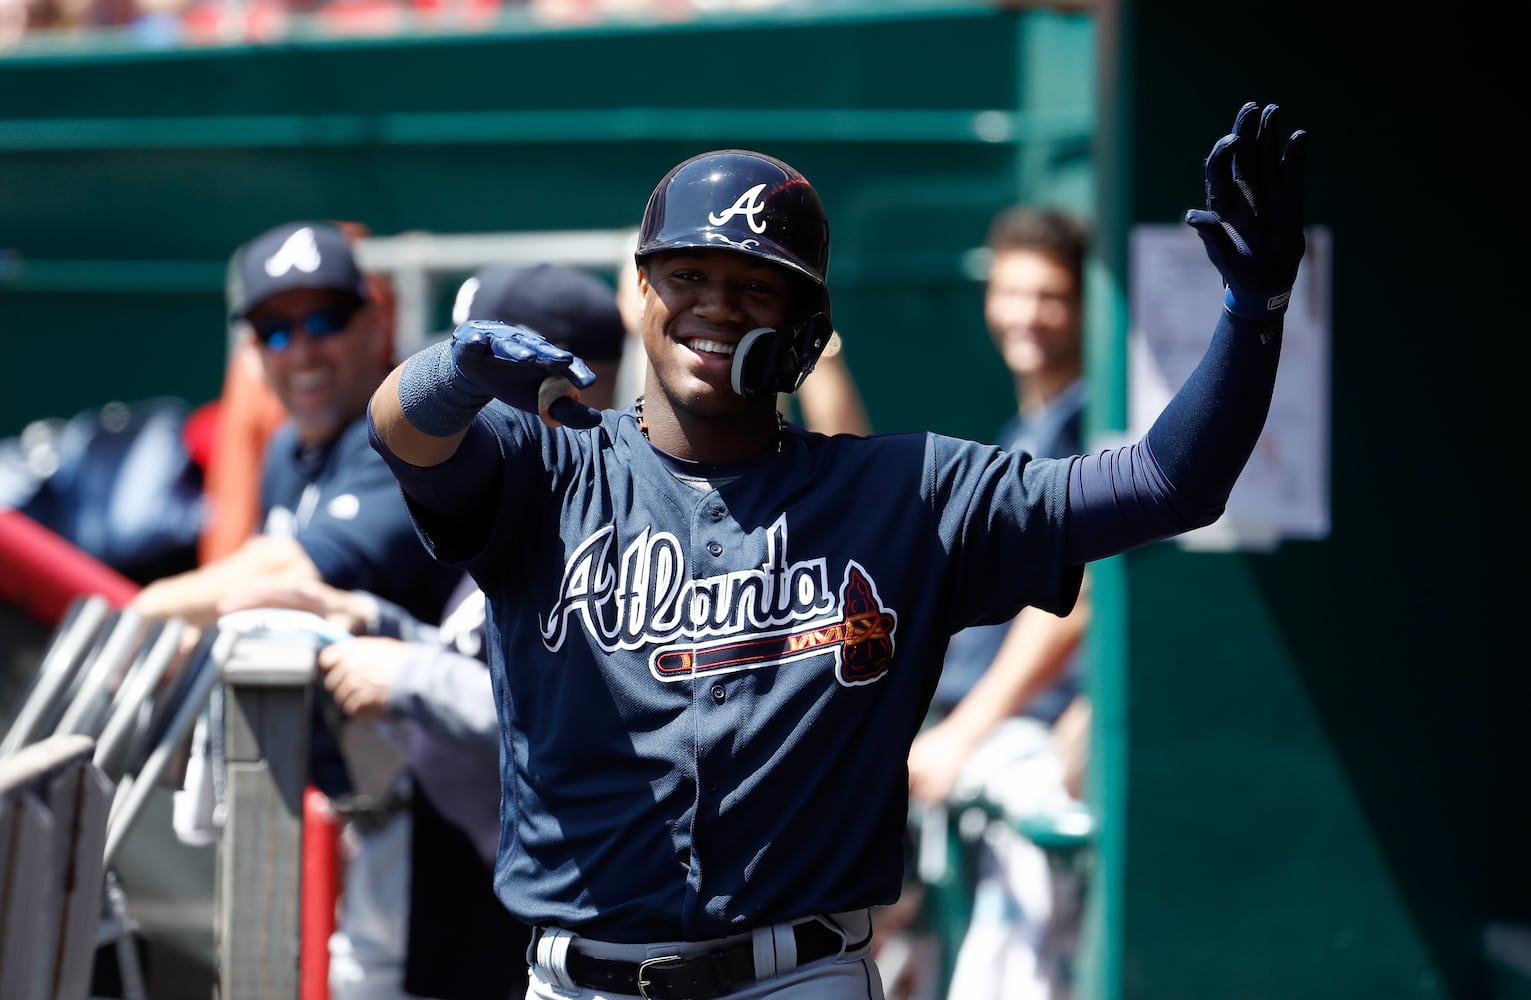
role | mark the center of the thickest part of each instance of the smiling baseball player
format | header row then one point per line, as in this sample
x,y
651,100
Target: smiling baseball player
x,y
714,635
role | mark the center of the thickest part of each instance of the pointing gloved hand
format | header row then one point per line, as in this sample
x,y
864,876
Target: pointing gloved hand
x,y
1252,225
524,369
443,386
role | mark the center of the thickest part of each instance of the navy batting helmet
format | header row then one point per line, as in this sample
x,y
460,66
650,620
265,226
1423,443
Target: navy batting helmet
x,y
736,199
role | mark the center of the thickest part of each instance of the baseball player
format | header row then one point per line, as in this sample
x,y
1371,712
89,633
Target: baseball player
x,y
714,635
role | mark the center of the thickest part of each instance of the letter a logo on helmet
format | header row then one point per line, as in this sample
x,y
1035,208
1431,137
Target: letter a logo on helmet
x,y
748,205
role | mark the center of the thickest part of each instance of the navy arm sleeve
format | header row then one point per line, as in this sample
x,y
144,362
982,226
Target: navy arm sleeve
x,y
1179,476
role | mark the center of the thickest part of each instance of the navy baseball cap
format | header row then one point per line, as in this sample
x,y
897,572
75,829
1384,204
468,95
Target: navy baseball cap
x,y
570,307
294,255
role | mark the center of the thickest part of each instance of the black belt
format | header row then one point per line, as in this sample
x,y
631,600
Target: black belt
x,y
699,977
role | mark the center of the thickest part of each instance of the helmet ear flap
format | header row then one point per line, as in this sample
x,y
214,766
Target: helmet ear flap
x,y
757,358
769,361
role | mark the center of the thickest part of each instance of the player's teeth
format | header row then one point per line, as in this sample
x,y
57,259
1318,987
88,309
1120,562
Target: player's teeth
x,y
712,347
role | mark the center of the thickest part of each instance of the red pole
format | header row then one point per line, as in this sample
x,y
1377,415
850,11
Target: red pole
x,y
320,890
42,572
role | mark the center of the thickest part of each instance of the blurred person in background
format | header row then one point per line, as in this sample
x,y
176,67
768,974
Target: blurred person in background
x,y
248,414
1004,687
14,18
328,510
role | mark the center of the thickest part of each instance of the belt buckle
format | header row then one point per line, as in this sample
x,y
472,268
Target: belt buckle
x,y
643,967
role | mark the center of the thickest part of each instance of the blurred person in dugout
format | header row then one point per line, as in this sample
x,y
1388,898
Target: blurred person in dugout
x,y
1009,719
249,412
828,400
323,336
437,929
329,511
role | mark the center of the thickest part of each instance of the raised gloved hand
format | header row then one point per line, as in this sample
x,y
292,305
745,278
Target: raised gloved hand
x,y
523,369
1252,225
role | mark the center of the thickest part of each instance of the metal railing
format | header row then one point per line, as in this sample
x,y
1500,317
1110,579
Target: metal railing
x,y
107,717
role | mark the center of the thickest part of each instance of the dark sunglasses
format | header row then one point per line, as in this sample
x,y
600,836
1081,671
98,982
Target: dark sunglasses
x,y
275,332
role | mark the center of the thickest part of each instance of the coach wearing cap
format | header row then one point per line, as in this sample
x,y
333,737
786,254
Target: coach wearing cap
x,y
331,509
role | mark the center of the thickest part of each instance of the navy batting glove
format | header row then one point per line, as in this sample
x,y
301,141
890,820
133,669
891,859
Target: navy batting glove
x,y
1252,225
515,365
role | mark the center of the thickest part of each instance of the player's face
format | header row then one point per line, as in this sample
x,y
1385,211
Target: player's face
x,y
321,362
697,306
1032,307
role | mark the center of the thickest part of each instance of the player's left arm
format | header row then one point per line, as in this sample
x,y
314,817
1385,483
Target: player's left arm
x,y
1179,476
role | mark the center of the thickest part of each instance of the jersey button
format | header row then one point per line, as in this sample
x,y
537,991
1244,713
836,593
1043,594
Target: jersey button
x,y
715,549
719,695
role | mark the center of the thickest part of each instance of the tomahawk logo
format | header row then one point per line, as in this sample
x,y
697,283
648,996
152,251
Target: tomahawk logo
x,y
860,638
298,252
748,205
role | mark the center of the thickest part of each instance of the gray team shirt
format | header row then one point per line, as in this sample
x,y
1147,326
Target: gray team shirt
x,y
707,697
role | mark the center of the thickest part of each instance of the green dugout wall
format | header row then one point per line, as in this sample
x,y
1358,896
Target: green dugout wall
x,y
1315,758
126,177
